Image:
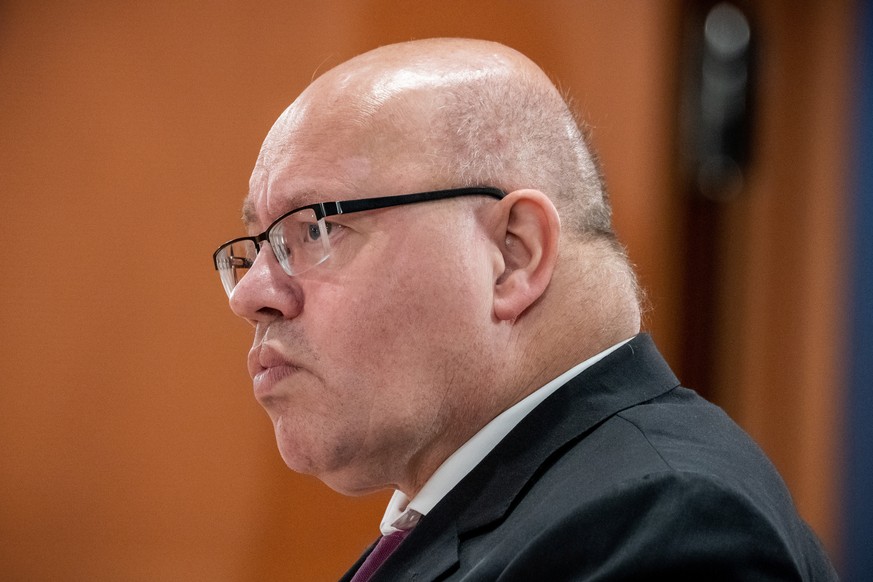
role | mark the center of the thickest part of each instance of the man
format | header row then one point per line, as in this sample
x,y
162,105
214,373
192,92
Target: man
x,y
441,308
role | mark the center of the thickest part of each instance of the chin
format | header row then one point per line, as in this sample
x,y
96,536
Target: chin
x,y
346,480
293,457
300,455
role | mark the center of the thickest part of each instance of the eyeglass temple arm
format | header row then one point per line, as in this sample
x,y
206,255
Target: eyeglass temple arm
x,y
349,206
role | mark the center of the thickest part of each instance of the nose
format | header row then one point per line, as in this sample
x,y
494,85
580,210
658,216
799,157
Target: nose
x,y
266,292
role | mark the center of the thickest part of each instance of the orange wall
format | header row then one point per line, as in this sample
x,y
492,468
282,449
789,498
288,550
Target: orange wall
x,y
132,448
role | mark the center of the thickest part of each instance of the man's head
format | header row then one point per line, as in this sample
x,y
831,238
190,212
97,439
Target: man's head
x,y
428,319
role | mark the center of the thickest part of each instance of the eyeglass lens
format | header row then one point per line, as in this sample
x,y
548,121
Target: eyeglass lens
x,y
299,241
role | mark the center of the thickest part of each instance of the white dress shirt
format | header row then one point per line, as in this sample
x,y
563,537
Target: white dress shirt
x,y
403,513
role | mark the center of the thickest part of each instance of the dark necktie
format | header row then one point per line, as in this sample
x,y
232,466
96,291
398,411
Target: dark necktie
x,y
384,547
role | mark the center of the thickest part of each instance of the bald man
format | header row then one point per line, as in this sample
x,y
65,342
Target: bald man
x,y
441,308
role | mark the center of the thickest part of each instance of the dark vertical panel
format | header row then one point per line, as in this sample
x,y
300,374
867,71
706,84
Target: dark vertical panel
x,y
858,562
764,286
716,120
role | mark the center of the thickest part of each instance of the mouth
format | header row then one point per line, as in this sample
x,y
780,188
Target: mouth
x,y
265,381
268,367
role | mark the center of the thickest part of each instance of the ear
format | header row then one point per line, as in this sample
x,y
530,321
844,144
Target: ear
x,y
527,235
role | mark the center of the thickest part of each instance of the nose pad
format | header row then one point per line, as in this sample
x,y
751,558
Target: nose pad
x,y
266,291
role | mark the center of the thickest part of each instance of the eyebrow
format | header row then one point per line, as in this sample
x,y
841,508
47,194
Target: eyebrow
x,y
249,215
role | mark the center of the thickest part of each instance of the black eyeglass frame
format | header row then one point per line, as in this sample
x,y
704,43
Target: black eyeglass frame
x,y
325,209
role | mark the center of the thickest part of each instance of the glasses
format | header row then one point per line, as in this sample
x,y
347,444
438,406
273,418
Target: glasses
x,y
300,239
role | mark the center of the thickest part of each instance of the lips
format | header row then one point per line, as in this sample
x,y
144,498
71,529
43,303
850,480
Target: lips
x,y
267,367
265,381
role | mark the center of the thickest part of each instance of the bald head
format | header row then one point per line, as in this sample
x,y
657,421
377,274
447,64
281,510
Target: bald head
x,y
463,111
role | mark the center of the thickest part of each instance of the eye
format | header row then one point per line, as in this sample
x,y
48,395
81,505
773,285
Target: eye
x,y
314,233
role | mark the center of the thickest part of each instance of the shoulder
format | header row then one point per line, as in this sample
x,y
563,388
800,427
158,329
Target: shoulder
x,y
668,486
672,523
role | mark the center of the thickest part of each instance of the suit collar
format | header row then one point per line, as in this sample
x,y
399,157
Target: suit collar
x,y
633,374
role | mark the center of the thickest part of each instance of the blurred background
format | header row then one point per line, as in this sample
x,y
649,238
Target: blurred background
x,y
737,141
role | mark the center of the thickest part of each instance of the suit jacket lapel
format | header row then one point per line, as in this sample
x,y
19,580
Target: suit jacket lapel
x,y
633,374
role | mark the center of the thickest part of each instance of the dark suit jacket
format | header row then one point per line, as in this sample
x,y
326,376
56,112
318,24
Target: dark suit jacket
x,y
620,474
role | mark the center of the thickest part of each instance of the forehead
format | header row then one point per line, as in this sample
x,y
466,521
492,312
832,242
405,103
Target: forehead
x,y
303,179
366,128
306,156
322,157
